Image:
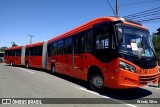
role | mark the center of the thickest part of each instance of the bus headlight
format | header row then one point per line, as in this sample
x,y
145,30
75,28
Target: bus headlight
x,y
126,66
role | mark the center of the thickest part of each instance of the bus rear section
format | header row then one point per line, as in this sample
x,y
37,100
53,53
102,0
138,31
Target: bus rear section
x,y
106,52
13,55
1,57
35,55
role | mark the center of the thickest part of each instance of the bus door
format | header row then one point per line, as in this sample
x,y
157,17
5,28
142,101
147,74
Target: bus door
x,y
38,56
78,52
17,57
68,55
12,56
31,57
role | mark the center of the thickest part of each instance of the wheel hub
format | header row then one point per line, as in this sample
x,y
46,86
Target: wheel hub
x,y
98,81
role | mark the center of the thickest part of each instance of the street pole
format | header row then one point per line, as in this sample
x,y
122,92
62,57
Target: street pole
x,y
31,38
116,8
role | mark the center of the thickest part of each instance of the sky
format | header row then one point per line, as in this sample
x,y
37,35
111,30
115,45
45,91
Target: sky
x,y
45,19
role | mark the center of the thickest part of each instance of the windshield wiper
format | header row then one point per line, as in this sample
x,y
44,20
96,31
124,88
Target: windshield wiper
x,y
125,52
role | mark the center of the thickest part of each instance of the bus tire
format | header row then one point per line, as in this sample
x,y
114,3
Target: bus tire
x,y
96,82
27,65
0,61
11,63
52,69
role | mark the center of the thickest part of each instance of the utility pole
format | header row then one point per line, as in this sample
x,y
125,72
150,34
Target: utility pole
x,y
116,8
31,38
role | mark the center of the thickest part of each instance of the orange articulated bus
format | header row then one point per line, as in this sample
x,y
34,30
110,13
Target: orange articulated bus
x,y
32,55
108,51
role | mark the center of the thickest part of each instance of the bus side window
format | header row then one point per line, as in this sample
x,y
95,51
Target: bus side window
x,y
34,51
39,51
11,53
31,51
18,52
102,37
49,49
60,46
88,41
79,43
68,45
7,53
27,52
54,48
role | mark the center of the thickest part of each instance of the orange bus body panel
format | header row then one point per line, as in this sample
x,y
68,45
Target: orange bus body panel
x,y
89,25
34,45
34,61
14,48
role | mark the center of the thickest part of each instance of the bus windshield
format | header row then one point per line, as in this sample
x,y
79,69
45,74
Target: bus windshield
x,y
134,41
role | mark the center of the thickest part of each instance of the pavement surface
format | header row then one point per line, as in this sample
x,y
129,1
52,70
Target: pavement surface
x,y
19,82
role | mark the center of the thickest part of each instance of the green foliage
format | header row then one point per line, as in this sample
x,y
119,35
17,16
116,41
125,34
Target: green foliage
x,y
14,44
156,44
2,49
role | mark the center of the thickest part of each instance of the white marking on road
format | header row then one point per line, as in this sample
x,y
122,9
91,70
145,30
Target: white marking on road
x,y
157,88
106,97
89,91
26,70
153,87
76,86
131,105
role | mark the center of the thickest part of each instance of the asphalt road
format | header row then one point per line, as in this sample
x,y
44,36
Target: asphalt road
x,y
19,82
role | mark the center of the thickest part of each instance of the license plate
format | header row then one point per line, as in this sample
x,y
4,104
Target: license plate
x,y
150,83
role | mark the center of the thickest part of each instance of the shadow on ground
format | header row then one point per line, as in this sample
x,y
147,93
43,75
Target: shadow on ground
x,y
120,94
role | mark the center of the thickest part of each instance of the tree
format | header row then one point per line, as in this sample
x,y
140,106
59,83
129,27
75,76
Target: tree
x,y
158,31
14,44
156,42
2,49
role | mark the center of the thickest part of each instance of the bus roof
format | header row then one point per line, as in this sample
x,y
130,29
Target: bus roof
x,y
91,24
14,48
35,44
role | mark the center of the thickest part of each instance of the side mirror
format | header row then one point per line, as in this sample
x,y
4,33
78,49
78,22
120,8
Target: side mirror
x,y
120,35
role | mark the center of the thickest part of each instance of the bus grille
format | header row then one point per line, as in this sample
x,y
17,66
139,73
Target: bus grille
x,y
145,79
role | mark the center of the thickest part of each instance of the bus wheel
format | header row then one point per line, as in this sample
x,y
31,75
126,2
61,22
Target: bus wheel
x,y
52,69
11,63
96,82
27,65
0,61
